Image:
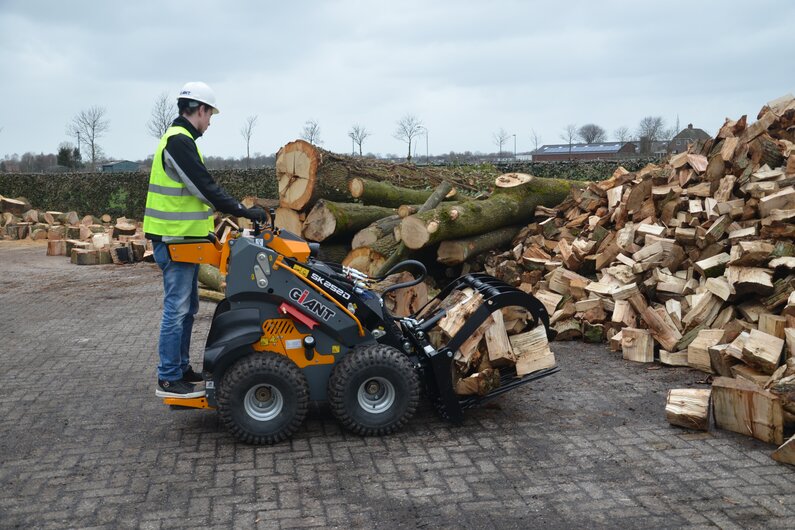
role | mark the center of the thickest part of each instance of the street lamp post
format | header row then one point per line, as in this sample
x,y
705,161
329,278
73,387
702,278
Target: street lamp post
x,y
427,159
514,147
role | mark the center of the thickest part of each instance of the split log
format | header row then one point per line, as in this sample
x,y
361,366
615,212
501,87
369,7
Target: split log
x,y
480,383
81,256
721,360
688,407
498,344
383,193
741,406
786,453
457,251
637,345
513,201
752,375
698,351
56,247
763,351
675,358
532,351
328,219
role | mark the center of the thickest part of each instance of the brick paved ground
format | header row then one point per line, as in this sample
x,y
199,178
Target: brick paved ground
x,y
85,443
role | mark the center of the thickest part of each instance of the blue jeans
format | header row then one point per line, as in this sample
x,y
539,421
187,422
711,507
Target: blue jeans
x,y
180,304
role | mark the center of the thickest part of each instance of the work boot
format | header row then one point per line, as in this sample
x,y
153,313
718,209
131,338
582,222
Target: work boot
x,y
177,389
189,376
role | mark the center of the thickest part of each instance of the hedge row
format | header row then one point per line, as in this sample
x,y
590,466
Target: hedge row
x,y
577,169
125,193
119,193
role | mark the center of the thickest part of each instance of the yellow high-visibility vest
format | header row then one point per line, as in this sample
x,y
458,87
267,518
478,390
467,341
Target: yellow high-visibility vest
x,y
171,209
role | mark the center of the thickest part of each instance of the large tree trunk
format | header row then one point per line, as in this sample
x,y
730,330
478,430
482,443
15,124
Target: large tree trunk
x,y
330,218
514,201
307,174
385,194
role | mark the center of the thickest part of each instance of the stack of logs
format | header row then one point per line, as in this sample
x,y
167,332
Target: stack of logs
x,y
694,256
87,241
330,198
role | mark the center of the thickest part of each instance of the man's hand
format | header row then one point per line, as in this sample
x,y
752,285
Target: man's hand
x,y
256,214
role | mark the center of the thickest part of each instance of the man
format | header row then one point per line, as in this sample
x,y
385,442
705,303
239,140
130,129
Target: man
x,y
179,205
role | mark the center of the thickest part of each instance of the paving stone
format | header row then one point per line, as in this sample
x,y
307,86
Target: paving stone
x,y
93,447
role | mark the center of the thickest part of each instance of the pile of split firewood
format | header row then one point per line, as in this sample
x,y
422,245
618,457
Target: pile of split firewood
x,y
692,259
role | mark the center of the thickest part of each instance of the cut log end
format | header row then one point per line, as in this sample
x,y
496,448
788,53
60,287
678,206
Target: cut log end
x,y
511,180
320,223
414,233
296,169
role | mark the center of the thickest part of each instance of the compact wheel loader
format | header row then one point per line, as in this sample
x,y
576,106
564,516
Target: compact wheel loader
x,y
294,329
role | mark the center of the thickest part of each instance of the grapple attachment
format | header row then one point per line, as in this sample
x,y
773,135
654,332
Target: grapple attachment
x,y
496,295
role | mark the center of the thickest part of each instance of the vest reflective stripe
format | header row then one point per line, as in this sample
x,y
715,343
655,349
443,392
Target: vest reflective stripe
x,y
176,216
171,209
166,190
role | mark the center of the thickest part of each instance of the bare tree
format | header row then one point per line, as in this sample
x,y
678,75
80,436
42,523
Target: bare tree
x,y
89,126
622,134
591,133
408,128
535,138
500,137
652,127
311,132
247,131
163,113
569,134
358,134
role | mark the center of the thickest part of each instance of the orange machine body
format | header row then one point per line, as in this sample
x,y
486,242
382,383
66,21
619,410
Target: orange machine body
x,y
279,335
217,254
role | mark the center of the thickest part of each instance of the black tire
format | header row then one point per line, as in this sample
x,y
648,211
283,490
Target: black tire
x,y
263,398
366,376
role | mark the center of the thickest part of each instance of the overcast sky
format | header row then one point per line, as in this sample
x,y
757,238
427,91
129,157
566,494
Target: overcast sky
x,y
465,68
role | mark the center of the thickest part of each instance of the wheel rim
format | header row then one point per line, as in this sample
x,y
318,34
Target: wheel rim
x,y
263,402
376,395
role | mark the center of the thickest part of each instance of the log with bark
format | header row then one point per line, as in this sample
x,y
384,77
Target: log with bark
x,y
211,277
307,174
430,203
328,219
382,193
513,201
456,251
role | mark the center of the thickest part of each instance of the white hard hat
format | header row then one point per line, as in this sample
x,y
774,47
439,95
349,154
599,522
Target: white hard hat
x,y
198,91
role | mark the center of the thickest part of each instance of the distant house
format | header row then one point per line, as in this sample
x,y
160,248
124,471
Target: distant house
x,y
690,135
600,151
645,147
119,166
